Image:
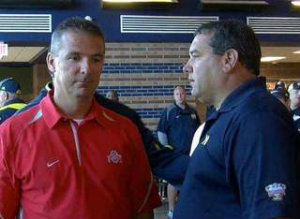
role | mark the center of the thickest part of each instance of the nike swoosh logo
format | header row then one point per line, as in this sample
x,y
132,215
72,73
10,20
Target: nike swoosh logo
x,y
50,164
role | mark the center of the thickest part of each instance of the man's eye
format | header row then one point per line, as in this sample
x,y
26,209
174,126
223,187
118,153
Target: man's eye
x,y
195,55
74,58
98,59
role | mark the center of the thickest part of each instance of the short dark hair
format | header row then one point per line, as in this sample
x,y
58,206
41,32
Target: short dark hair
x,y
73,24
234,34
179,86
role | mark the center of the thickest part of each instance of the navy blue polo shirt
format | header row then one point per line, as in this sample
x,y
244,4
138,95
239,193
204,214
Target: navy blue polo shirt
x,y
179,125
246,165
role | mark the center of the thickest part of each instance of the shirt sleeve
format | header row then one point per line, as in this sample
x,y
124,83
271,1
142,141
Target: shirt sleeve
x,y
261,160
163,122
9,198
143,186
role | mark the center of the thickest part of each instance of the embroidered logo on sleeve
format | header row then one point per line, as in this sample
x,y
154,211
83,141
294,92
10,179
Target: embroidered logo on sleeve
x,y
114,157
276,191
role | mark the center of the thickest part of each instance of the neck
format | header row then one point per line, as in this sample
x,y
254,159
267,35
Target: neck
x,y
230,84
294,106
219,102
181,105
74,108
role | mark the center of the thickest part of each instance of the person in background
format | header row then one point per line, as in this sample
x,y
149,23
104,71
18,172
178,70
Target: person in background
x,y
280,85
246,164
281,93
176,127
10,100
294,90
113,95
52,164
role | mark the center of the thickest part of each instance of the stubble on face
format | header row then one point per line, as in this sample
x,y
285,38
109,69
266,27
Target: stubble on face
x,y
179,96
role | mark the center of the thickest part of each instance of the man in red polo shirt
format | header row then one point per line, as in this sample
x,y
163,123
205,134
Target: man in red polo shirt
x,y
52,163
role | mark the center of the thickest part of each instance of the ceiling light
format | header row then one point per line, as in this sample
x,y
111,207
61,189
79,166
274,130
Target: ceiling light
x,y
297,52
271,58
296,3
140,1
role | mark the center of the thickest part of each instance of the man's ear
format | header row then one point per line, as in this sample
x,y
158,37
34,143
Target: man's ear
x,y
230,60
50,63
6,96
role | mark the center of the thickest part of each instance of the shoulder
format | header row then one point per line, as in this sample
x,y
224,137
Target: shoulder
x,y
169,110
14,129
264,114
118,108
171,107
258,113
17,123
262,103
116,119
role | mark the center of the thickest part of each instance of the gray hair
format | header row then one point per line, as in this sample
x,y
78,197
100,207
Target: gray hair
x,y
76,24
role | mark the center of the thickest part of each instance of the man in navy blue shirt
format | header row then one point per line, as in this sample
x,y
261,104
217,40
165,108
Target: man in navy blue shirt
x,y
246,165
10,100
176,127
294,90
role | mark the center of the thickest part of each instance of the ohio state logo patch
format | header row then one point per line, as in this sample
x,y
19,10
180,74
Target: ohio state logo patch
x,y
114,157
276,191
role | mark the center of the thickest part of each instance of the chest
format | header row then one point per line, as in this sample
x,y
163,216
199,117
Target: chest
x,y
86,155
181,120
210,159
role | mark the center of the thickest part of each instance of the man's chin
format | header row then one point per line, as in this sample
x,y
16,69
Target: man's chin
x,y
82,93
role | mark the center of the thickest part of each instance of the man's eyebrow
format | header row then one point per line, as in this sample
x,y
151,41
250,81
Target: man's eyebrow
x,y
73,53
99,54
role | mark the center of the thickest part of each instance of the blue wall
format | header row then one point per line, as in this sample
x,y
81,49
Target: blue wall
x,y
109,20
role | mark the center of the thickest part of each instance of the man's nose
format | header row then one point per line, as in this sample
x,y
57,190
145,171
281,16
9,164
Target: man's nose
x,y
187,68
85,66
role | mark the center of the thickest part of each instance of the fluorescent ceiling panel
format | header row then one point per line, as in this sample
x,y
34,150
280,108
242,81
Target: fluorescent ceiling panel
x,y
272,58
140,1
296,3
241,2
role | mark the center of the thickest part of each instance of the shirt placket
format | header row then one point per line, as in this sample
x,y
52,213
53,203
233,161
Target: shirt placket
x,y
74,128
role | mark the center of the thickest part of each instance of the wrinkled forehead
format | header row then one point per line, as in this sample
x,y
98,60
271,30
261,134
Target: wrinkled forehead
x,y
179,90
201,42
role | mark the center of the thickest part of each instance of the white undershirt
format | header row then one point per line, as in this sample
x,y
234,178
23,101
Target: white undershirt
x,y
78,121
196,138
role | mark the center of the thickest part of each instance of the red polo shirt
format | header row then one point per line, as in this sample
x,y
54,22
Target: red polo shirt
x,y
54,168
